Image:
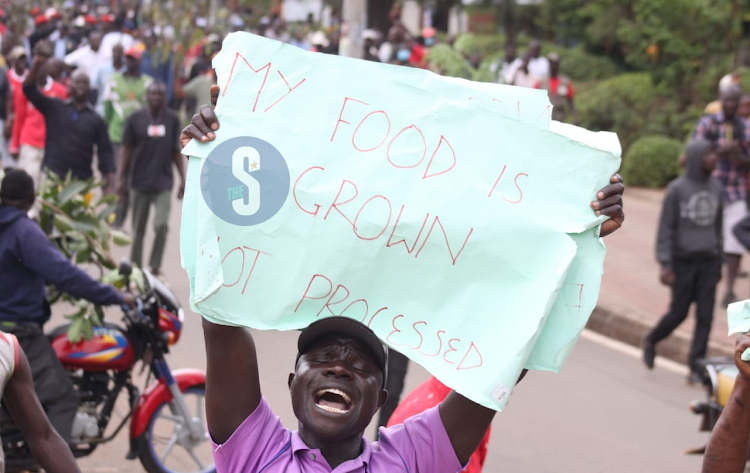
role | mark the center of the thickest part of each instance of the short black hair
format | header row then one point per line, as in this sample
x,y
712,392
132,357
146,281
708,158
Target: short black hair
x,y
17,185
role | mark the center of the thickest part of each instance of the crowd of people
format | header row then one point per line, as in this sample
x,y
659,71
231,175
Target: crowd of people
x,y
705,224
83,86
86,87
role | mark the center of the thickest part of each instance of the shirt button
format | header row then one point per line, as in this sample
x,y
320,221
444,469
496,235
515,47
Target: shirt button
x,y
312,456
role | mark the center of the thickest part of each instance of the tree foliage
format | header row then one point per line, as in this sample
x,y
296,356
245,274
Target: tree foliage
x,y
652,161
78,223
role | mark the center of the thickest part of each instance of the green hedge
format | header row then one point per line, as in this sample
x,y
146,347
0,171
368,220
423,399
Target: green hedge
x,y
624,104
582,66
651,161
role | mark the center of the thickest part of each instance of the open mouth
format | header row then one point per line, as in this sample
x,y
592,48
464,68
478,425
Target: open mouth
x,y
333,400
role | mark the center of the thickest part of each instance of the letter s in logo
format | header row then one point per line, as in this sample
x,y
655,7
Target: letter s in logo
x,y
237,188
246,159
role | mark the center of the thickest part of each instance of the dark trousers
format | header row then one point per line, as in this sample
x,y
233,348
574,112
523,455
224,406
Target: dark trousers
x,y
695,281
397,365
141,203
51,383
123,205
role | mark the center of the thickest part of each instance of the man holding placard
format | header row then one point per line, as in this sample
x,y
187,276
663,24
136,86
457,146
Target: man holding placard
x,y
337,387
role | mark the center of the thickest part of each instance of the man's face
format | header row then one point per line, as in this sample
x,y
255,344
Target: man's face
x,y
554,67
156,96
535,48
80,87
20,64
336,388
117,53
132,64
510,52
95,40
730,102
709,161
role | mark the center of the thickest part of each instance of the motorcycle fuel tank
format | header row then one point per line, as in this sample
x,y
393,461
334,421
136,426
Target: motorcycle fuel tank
x,y
108,349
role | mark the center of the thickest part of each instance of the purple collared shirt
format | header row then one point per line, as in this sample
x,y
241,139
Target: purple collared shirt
x,y
262,445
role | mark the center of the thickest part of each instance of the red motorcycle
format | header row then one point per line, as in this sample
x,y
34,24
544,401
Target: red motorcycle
x,y
167,423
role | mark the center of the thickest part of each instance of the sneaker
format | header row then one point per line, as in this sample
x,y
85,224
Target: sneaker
x,y
649,353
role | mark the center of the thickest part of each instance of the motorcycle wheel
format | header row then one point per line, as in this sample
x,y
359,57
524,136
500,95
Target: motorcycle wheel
x,y
166,446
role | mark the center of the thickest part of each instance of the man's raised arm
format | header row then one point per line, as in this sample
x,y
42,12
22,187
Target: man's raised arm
x,y
232,382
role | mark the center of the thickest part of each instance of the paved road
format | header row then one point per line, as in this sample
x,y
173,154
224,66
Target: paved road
x,y
604,413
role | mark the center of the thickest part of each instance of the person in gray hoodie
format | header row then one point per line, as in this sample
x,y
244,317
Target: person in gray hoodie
x,y
689,249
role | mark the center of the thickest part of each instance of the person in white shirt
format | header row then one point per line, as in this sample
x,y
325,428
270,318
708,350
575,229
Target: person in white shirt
x,y
522,76
87,58
504,69
538,64
112,37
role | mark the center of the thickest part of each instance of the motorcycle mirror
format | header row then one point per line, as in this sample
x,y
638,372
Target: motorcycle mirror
x,y
126,268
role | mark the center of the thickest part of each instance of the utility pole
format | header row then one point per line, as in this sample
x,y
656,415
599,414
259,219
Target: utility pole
x,y
355,18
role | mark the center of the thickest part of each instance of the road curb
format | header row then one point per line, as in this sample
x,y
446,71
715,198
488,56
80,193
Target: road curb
x,y
630,329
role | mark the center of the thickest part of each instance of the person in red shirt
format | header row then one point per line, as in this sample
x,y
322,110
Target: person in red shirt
x,y
30,141
561,93
427,395
16,75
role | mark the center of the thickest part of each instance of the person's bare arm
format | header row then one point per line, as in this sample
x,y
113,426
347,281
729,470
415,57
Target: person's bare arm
x,y
727,449
122,169
48,448
465,421
179,163
232,381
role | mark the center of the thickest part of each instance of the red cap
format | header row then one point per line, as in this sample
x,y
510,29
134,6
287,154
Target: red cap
x,y
89,19
2,12
34,11
134,52
40,20
108,18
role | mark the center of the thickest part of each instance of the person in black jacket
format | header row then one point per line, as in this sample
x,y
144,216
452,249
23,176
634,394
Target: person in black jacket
x,y
28,262
689,249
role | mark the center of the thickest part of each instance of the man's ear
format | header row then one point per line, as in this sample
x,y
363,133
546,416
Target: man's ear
x,y
382,397
291,378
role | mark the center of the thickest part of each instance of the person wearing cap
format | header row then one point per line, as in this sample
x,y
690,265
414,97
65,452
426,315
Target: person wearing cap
x,y
43,27
561,92
337,386
16,76
74,128
124,94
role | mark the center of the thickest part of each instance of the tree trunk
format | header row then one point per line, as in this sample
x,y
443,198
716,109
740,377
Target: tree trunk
x,y
442,14
509,20
378,15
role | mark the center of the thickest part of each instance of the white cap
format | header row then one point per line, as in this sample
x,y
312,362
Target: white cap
x,y
319,39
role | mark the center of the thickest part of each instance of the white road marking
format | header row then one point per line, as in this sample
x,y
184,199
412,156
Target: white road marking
x,y
634,352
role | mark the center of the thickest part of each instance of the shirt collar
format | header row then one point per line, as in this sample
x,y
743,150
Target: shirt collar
x,y
88,106
298,445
